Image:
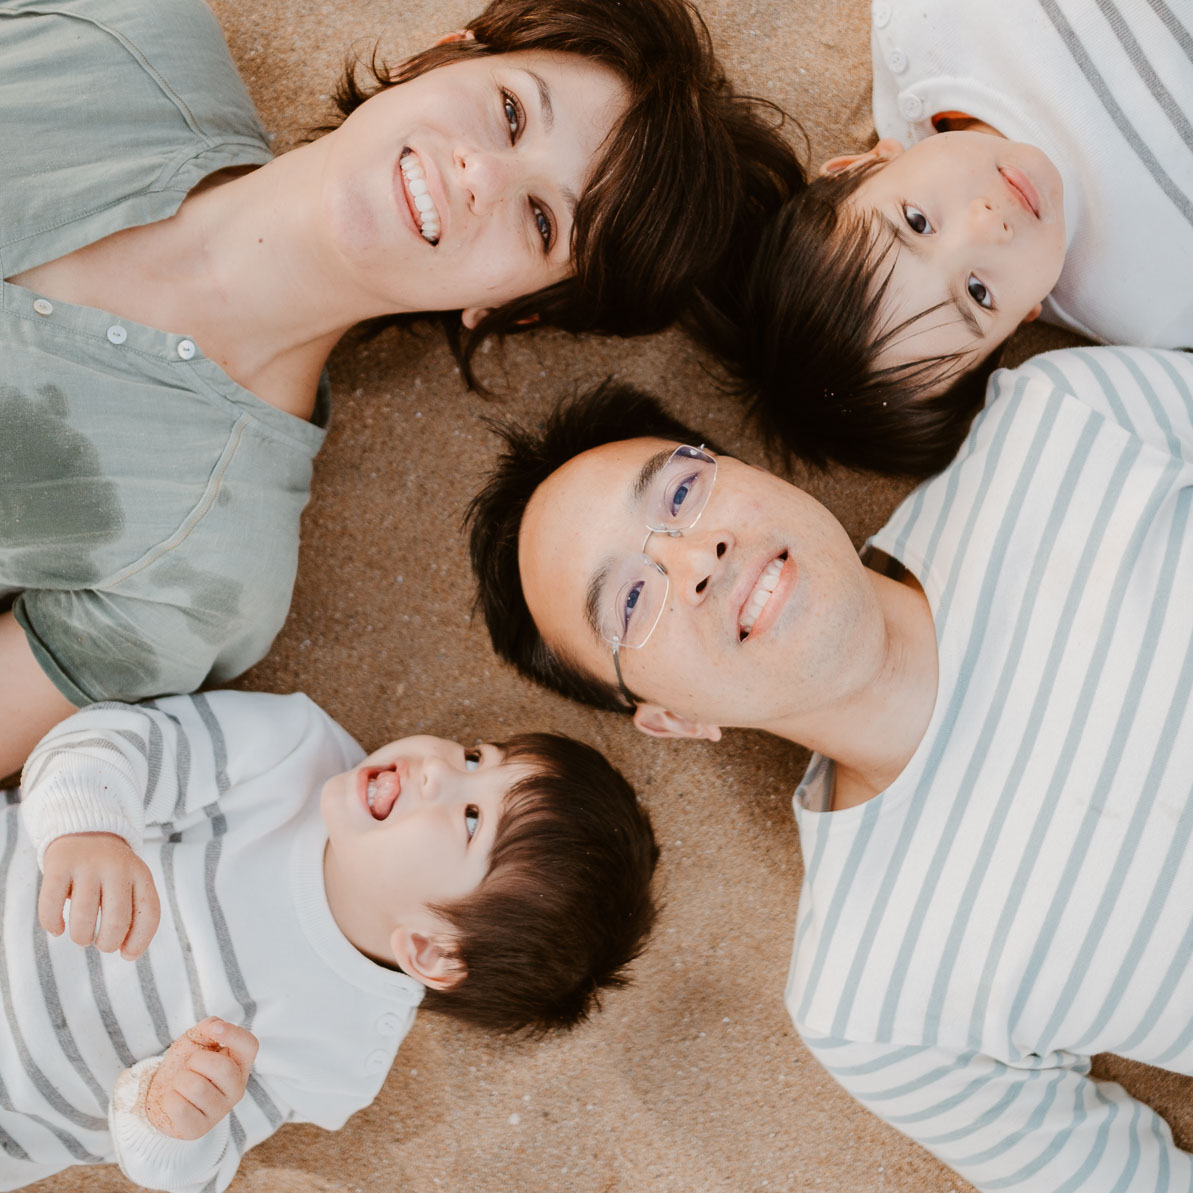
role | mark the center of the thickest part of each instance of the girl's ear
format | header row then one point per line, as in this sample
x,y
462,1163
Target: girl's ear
x,y
427,958
1034,313
884,151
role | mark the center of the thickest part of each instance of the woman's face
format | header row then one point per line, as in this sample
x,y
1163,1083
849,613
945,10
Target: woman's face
x,y
457,190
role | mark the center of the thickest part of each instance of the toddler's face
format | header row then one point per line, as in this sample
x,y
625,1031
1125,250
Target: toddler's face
x,y
411,826
979,226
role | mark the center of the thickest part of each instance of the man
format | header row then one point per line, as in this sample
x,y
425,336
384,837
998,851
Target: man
x,y
996,821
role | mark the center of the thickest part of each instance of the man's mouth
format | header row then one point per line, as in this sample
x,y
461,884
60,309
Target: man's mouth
x,y
382,789
759,595
1021,187
419,196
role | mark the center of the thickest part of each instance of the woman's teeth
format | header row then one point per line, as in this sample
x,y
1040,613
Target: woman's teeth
x,y
416,184
761,594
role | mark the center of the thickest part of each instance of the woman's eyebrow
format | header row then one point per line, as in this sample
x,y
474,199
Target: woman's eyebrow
x,y
547,111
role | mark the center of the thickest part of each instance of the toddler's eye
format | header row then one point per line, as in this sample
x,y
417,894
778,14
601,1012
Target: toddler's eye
x,y
979,293
917,221
472,819
472,758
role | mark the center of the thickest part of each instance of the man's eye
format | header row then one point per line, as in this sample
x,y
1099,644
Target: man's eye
x,y
979,293
472,819
631,594
680,494
472,758
917,221
512,110
543,222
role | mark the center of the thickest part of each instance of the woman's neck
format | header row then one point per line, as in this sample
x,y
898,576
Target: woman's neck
x,y
242,267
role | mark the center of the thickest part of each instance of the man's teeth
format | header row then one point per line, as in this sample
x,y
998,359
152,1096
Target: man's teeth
x,y
416,184
761,594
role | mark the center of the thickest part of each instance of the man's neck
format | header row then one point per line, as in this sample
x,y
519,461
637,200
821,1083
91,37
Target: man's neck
x,y
872,734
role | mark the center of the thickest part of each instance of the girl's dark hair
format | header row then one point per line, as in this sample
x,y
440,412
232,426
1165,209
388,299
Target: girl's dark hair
x,y
607,414
567,902
682,184
811,329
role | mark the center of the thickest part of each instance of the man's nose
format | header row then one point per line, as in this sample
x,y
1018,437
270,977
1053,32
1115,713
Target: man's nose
x,y
693,560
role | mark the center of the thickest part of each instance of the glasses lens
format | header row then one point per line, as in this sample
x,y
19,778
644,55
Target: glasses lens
x,y
637,591
681,490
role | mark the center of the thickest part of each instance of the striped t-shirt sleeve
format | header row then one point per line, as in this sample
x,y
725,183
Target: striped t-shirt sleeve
x,y
1050,1128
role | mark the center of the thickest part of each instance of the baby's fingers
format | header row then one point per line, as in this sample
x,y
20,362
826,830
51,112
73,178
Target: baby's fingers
x,y
55,886
146,915
116,913
84,909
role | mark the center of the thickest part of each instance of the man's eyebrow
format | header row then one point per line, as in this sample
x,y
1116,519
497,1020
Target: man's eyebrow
x,y
594,598
647,473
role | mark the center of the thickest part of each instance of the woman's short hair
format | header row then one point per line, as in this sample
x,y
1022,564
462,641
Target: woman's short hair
x,y
680,188
566,904
811,330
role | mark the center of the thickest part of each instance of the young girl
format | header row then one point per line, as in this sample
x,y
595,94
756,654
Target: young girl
x,y
1049,174
272,908
171,292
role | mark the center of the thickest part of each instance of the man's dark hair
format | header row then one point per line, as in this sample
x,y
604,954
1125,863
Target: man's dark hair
x,y
681,187
567,902
809,333
608,414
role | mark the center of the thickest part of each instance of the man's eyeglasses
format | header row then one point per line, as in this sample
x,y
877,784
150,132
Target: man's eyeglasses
x,y
636,586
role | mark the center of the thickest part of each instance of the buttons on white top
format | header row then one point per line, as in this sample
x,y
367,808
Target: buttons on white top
x,y
117,334
387,1025
186,349
43,306
377,1062
882,15
897,61
911,106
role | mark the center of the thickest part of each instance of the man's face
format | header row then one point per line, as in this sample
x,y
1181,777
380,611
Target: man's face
x,y
799,647
979,227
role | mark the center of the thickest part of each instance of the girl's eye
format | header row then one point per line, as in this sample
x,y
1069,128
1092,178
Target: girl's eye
x,y
472,819
512,110
472,758
917,221
543,223
979,293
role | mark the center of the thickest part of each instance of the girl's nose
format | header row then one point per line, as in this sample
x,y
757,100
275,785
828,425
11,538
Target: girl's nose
x,y
988,220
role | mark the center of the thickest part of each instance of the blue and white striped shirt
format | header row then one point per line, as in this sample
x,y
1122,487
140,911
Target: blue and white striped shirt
x,y
1022,896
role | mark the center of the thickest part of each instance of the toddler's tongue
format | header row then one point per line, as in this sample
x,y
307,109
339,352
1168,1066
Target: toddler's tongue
x,y
384,789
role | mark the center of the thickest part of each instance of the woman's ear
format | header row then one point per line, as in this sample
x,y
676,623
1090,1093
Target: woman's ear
x,y
884,151
656,721
471,316
427,957
459,35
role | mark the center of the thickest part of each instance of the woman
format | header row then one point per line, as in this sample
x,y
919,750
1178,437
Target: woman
x,y
171,293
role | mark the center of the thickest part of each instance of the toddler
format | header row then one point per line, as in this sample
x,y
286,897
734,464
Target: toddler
x,y
267,909
1050,173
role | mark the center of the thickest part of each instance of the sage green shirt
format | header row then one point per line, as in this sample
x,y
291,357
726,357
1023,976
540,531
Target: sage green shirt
x,y
149,505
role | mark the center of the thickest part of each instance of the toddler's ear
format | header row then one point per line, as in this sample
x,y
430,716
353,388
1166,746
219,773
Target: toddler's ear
x,y
427,958
1034,313
884,151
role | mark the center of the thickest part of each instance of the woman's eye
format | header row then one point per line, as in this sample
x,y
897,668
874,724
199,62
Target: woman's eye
x,y
472,819
513,113
472,758
542,222
917,221
979,293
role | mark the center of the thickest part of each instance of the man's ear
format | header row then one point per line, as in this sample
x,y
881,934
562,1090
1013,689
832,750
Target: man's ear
x,y
427,958
884,151
656,721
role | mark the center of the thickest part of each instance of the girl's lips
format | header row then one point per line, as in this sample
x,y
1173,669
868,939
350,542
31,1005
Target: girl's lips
x,y
1020,186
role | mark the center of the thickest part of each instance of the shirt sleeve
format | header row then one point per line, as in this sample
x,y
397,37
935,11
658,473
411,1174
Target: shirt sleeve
x,y
205,1165
136,770
1049,1128
1147,392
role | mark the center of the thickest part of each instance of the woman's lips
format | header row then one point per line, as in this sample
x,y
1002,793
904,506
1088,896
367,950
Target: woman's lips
x,y
1021,188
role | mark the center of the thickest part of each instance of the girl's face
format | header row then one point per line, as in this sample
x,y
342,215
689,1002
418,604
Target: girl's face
x,y
457,190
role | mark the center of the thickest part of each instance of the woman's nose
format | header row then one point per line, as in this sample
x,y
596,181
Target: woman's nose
x,y
485,177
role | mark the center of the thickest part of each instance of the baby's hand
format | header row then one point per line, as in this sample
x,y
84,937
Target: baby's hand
x,y
203,1075
101,875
